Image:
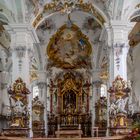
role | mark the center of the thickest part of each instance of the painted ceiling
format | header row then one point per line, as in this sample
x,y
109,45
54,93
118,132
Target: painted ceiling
x,y
49,18
69,48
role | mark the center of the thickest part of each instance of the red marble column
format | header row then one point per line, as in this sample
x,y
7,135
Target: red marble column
x,y
51,96
58,95
88,89
80,97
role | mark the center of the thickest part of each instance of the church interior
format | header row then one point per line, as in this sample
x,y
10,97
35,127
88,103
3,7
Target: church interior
x,y
70,69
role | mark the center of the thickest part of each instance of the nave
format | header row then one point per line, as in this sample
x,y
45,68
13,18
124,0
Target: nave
x,y
70,69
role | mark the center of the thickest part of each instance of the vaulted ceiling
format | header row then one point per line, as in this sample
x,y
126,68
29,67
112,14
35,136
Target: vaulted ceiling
x,y
47,16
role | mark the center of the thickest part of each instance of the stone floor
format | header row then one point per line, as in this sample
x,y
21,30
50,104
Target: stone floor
x,y
99,138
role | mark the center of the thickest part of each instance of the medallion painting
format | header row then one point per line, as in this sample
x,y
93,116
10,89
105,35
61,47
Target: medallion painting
x,y
69,49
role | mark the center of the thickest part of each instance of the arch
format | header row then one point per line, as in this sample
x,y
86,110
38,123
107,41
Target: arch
x,y
131,10
84,7
7,14
4,18
135,17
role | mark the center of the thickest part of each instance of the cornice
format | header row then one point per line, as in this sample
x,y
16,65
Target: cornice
x,y
13,28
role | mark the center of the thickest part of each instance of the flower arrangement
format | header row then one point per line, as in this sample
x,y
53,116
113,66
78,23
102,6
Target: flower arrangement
x,y
135,134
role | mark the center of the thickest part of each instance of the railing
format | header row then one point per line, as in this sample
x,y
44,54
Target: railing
x,y
70,122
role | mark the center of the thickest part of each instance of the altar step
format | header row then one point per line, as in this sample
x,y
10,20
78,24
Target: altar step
x,y
95,138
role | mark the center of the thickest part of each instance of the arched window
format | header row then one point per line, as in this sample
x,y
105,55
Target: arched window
x,y
35,91
103,90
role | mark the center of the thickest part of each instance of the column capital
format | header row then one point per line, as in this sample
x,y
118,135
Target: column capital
x,y
120,31
116,31
41,84
24,32
97,83
42,76
20,51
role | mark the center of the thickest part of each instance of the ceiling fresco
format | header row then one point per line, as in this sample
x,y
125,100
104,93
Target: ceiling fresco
x,y
69,48
91,24
67,7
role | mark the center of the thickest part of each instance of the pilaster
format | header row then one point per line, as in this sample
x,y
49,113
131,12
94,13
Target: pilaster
x,y
117,41
23,37
4,95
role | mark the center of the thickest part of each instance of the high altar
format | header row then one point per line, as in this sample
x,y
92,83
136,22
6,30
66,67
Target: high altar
x,y
69,108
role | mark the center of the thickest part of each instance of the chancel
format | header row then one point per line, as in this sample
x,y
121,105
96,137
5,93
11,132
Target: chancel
x,y
69,69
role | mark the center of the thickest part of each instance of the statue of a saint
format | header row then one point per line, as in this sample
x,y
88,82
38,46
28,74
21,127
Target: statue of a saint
x,y
19,107
121,103
113,109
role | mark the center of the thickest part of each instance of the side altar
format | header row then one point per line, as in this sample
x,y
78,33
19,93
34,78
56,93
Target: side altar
x,y
121,107
19,118
38,118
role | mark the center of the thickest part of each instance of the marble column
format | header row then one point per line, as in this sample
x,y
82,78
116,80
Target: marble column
x,y
42,85
119,49
95,96
115,36
93,106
